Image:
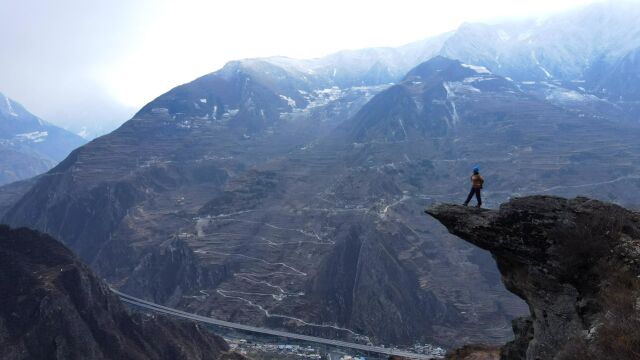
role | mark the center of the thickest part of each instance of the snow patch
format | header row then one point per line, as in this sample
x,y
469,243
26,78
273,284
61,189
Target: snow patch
x,y
289,100
324,96
403,129
535,59
214,112
546,73
561,95
36,136
84,133
184,124
9,107
204,101
454,111
478,69
473,79
454,87
231,113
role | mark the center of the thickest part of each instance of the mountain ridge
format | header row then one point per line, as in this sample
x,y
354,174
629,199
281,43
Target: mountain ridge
x,y
292,198
29,145
324,199
54,307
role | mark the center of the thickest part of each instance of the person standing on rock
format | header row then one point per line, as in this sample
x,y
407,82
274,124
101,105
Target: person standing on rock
x,y
476,185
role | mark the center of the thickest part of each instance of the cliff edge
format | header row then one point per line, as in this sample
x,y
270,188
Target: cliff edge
x,y
575,262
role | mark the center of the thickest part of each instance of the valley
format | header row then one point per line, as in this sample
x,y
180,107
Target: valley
x,y
289,194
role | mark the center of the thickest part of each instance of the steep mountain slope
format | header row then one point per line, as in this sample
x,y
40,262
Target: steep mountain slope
x,y
288,193
577,58
17,165
621,83
193,146
389,173
11,193
353,200
187,143
467,114
574,261
423,104
566,46
235,203
28,145
363,67
583,56
53,307
574,45
573,52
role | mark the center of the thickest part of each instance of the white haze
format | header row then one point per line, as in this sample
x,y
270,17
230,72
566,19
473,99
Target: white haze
x,y
93,63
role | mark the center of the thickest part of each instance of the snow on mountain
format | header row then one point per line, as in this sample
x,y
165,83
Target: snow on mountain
x,y
478,69
579,45
9,107
35,136
566,46
28,144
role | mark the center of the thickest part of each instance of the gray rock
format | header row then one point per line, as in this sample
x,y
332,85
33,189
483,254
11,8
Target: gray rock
x,y
567,259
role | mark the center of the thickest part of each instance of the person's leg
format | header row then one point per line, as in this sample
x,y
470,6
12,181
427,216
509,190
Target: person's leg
x,y
469,197
478,197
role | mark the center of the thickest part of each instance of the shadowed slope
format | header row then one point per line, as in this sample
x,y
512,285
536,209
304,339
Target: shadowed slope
x,y
53,307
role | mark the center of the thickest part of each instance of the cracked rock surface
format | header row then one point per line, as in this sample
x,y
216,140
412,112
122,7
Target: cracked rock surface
x,y
574,261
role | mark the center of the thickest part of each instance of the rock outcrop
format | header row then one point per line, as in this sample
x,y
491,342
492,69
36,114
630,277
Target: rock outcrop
x,y
574,261
53,307
169,272
475,352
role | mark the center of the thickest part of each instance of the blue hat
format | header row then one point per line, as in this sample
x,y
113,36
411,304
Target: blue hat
x,y
476,168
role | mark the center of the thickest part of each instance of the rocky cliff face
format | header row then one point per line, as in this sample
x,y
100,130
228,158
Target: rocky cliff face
x,y
576,264
53,307
169,272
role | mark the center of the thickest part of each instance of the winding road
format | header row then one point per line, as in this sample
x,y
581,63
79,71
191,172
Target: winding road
x,y
337,343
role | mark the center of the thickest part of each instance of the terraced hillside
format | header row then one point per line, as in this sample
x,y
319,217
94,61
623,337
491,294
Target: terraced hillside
x,y
275,201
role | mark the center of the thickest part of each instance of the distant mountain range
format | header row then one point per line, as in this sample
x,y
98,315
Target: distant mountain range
x,y
591,51
289,193
29,146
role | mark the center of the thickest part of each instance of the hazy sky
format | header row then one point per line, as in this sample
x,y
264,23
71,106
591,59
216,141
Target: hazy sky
x,y
75,61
